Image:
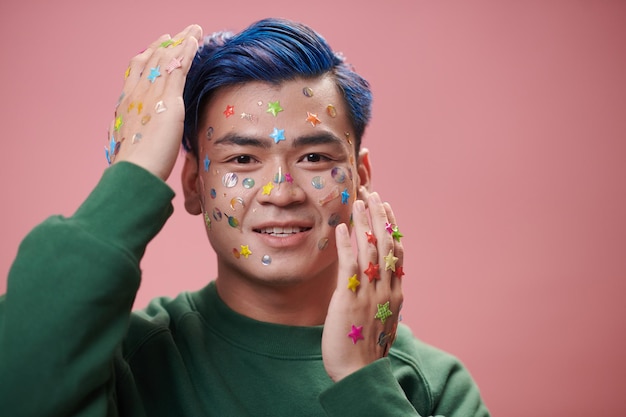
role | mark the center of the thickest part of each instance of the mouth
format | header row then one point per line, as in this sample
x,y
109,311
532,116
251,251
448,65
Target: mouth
x,y
279,231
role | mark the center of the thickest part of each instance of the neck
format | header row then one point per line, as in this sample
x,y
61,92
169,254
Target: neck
x,y
302,303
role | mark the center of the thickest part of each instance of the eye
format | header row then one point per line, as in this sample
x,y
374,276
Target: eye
x,y
242,159
315,157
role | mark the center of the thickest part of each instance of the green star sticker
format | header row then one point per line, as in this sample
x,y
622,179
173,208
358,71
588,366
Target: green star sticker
x,y
383,312
274,107
396,234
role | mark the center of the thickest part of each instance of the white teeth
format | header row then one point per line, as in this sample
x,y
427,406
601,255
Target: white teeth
x,y
282,230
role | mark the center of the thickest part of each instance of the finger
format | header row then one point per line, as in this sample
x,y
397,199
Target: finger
x,y
367,255
398,249
380,224
348,267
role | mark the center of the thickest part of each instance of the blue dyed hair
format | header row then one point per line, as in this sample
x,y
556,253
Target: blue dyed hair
x,y
273,51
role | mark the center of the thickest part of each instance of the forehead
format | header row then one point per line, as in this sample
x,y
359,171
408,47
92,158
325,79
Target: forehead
x,y
254,107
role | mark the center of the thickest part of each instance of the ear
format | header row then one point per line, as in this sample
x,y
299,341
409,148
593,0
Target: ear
x,y
364,168
191,185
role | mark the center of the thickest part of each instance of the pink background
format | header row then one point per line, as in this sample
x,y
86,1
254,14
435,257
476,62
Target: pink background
x,y
499,137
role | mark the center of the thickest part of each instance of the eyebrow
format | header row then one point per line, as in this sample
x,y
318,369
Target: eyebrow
x,y
320,138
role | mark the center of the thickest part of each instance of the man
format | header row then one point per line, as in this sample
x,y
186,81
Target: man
x,y
294,324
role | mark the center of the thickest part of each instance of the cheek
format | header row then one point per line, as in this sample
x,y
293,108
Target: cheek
x,y
226,198
335,190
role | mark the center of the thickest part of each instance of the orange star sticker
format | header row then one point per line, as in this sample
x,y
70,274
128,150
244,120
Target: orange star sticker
x,y
371,238
312,118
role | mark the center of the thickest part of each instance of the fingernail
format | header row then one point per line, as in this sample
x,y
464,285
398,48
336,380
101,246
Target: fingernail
x,y
359,205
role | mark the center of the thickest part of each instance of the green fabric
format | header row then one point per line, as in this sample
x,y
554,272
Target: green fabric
x,y
69,345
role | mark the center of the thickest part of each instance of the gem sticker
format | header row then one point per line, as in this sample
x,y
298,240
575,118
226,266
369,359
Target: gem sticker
x,y
229,179
334,220
318,182
266,260
247,183
338,175
331,110
307,91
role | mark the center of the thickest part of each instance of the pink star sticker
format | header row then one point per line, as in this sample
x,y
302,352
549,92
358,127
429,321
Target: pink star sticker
x,y
288,177
372,271
389,227
356,334
174,63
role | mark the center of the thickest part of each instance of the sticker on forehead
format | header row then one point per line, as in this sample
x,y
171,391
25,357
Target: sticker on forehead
x,y
307,91
318,182
338,174
249,117
247,183
334,219
230,110
331,110
229,179
277,135
313,119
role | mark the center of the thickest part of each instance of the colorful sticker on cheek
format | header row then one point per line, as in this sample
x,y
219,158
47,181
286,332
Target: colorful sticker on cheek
x,y
236,200
245,251
217,214
248,183
338,175
213,193
318,182
266,260
330,196
345,196
229,179
232,221
322,243
334,220
207,162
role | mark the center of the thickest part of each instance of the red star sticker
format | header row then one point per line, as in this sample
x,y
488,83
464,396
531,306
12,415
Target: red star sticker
x,y
372,271
399,272
371,238
230,110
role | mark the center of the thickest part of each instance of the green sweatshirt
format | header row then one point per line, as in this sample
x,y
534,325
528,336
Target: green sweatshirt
x,y
70,346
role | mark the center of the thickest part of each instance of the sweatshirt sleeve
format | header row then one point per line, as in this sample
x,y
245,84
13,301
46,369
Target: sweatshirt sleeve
x,y
69,295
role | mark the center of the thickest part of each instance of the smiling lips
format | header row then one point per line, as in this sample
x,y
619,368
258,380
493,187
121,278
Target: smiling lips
x,y
279,231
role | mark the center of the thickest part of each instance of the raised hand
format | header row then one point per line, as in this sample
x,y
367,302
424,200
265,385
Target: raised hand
x,y
364,310
148,124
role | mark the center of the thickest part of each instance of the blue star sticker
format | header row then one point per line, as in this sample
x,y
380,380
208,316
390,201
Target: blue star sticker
x,y
345,195
154,73
278,135
109,152
207,162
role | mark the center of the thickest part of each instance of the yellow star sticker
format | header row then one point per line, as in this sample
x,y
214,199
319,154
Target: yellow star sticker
x,y
118,122
178,42
267,189
127,73
139,107
245,251
390,261
353,282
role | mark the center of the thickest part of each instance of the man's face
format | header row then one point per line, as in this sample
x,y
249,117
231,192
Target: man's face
x,y
277,173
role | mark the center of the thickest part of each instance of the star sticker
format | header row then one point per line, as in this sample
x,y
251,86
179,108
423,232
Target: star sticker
x,y
372,271
166,43
178,42
389,227
399,271
174,63
312,118
118,123
274,107
154,73
139,107
356,334
130,106
383,312
245,251
345,195
396,234
390,261
353,282
127,73
371,238
288,177
278,135
230,110
267,188
207,162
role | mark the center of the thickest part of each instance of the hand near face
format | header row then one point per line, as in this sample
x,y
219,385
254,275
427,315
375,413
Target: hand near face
x,y
148,124
364,310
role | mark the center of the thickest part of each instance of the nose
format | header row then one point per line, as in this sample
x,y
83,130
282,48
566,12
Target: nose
x,y
282,189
